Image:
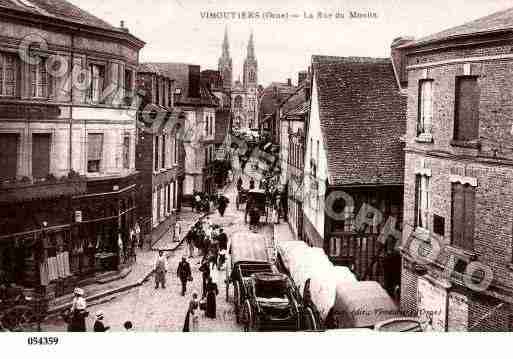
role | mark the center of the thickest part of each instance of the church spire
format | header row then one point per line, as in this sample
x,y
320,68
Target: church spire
x,y
251,47
226,44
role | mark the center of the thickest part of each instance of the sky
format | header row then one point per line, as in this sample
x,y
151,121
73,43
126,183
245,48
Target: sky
x,y
175,31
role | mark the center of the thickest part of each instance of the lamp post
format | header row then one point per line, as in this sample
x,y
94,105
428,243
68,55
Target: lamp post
x,y
40,309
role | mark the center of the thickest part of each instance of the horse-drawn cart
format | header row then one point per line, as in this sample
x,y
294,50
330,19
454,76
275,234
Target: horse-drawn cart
x,y
262,297
256,207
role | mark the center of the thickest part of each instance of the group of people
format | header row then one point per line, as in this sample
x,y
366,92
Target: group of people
x,y
203,202
76,316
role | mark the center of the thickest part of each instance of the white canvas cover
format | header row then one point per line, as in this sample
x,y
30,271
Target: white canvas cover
x,y
343,274
285,248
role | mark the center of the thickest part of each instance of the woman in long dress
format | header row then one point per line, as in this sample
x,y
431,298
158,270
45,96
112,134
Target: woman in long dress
x,y
192,318
212,292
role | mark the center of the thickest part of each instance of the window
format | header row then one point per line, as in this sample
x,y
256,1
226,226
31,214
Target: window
x,y
156,149
466,112
97,73
155,208
439,225
422,201
463,205
41,155
163,150
128,82
425,115
94,151
238,102
126,152
207,126
168,198
39,79
9,143
8,74
176,149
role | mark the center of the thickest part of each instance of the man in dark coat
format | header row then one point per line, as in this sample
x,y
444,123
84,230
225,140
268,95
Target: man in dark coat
x,y
212,292
205,270
184,273
223,203
222,239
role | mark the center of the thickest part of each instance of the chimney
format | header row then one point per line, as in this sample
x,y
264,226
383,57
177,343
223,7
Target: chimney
x,y
398,56
289,82
122,26
194,81
301,76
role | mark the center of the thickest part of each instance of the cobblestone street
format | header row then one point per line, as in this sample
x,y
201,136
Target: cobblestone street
x,y
154,310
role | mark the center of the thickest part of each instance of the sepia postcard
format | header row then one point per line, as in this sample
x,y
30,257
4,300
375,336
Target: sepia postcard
x,y
329,166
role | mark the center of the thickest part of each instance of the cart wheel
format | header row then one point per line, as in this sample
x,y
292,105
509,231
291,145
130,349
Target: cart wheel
x,y
309,317
247,316
236,301
16,319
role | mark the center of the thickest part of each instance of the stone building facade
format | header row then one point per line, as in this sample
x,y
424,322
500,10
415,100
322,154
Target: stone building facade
x,y
457,240
67,138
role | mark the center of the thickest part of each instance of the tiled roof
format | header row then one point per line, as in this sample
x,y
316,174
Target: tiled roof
x,y
362,115
179,72
269,101
499,21
297,105
60,9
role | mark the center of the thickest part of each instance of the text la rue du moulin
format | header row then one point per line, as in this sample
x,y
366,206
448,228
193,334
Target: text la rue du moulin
x,y
309,15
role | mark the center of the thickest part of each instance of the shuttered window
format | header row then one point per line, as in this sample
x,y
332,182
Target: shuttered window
x,y
176,148
156,150
8,155
425,115
163,150
39,80
41,155
463,208
466,121
94,151
126,152
8,74
97,73
422,201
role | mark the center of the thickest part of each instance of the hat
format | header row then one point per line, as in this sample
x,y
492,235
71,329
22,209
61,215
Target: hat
x,y
99,314
78,291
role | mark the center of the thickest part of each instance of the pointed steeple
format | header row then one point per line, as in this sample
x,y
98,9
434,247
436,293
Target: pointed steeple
x,y
251,47
226,44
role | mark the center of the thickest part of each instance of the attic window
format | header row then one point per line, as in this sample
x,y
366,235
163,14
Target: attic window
x,y
178,91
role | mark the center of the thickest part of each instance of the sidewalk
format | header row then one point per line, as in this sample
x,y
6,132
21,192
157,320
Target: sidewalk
x,y
282,233
138,273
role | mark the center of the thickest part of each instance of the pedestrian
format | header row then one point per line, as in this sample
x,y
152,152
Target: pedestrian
x,y
99,326
160,270
128,326
223,203
212,292
178,232
222,239
189,238
78,311
184,273
194,311
252,183
197,202
205,271
239,184
137,230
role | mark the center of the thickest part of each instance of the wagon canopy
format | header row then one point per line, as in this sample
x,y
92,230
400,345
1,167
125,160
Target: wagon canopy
x,y
286,250
248,247
343,275
362,304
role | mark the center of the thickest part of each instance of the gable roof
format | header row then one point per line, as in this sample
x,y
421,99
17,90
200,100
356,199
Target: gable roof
x,y
297,105
179,72
496,22
63,11
362,117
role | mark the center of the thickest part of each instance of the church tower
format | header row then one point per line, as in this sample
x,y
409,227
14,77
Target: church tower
x,y
250,66
250,83
225,64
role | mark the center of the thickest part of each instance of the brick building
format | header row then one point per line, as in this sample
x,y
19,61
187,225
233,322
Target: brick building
x,y
198,105
67,145
215,166
354,160
458,189
159,153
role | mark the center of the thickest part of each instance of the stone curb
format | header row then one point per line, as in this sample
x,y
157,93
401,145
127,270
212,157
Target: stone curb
x,y
123,288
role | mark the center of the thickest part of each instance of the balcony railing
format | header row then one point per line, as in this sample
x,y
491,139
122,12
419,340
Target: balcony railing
x,y
28,189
